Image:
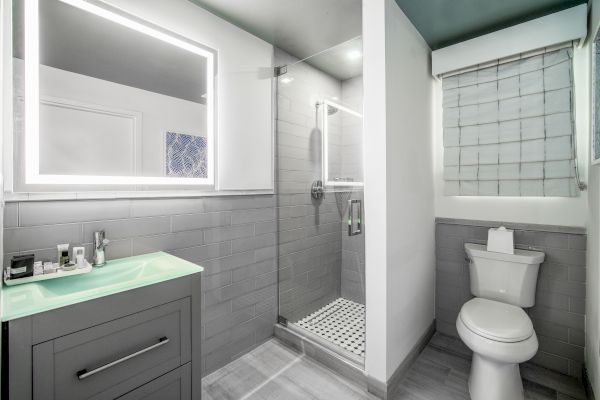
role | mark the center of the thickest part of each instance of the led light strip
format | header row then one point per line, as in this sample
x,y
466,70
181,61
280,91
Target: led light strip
x,y
325,150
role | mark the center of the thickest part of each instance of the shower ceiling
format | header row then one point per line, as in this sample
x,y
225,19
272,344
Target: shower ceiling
x,y
306,27
302,28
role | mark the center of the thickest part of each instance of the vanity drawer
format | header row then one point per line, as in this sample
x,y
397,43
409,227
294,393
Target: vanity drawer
x,y
111,359
175,385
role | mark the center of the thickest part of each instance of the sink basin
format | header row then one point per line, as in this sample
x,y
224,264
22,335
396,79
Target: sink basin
x,y
116,276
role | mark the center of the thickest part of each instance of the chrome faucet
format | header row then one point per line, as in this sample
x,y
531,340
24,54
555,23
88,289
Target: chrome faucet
x,y
100,243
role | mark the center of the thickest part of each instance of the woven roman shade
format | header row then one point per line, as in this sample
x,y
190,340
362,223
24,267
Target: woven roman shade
x,y
509,127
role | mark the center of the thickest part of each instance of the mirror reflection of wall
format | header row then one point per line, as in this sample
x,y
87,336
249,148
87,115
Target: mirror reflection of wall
x,y
109,92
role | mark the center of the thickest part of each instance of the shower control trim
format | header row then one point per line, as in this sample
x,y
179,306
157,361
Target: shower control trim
x,y
316,190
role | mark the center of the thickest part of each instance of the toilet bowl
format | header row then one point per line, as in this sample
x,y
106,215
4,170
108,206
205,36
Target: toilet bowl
x,y
501,337
494,325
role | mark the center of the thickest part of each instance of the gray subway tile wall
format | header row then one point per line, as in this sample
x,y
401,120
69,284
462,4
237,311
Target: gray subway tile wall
x,y
559,313
239,240
233,238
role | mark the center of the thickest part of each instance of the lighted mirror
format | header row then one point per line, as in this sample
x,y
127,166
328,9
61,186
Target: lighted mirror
x,y
342,145
102,98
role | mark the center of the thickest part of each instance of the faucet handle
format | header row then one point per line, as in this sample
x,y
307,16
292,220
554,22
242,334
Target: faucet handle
x,y
100,239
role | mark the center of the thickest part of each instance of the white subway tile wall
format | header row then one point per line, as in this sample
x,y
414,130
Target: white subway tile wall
x,y
516,115
559,313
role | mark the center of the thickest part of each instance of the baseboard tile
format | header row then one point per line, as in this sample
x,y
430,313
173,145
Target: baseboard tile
x,y
384,390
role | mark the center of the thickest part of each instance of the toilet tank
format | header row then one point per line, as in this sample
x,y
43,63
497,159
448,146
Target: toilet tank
x,y
509,278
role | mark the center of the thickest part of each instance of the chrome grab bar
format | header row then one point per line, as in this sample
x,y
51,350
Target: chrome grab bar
x,y
84,373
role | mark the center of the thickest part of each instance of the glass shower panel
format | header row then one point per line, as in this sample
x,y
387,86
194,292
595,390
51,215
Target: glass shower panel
x,y
319,138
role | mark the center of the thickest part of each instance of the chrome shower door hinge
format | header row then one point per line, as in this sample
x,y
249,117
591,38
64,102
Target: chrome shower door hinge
x,y
280,70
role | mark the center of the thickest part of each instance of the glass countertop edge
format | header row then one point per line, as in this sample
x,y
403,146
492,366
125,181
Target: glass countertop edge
x,y
7,316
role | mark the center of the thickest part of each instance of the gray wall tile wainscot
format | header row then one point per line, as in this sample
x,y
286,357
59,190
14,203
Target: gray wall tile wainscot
x,y
559,313
233,238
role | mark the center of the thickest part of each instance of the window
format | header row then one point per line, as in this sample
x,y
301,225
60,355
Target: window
x,y
509,128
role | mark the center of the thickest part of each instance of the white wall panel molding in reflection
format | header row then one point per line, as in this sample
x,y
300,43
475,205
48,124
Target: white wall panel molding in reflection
x,y
120,130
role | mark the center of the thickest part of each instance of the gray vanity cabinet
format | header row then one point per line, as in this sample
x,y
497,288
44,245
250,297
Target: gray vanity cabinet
x,y
139,344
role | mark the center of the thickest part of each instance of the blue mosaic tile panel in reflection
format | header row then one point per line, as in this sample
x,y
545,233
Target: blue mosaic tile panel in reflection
x,y
185,155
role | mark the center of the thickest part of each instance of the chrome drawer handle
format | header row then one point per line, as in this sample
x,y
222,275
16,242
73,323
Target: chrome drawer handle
x,y
85,374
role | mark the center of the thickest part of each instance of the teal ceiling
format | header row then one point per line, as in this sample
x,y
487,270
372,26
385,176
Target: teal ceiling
x,y
445,22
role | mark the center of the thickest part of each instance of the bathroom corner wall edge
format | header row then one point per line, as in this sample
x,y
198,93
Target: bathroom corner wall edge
x,y
592,340
384,390
587,385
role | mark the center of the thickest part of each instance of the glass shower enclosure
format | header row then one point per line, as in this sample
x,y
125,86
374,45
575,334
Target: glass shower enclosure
x,y
319,179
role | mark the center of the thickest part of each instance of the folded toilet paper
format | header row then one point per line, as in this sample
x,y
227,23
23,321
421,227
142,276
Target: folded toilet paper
x,y
501,240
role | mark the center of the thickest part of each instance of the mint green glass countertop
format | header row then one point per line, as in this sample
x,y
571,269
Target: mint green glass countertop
x,y
115,277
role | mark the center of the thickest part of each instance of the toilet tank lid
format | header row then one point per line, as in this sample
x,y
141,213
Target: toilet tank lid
x,y
520,256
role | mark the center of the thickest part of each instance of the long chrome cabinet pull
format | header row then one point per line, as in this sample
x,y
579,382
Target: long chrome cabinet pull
x,y
85,374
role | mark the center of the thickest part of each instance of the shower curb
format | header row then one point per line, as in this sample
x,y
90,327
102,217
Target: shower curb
x,y
322,355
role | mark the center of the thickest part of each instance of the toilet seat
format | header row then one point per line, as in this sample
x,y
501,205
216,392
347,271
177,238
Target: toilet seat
x,y
496,321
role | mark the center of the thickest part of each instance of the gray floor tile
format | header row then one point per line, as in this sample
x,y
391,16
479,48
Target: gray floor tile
x,y
273,371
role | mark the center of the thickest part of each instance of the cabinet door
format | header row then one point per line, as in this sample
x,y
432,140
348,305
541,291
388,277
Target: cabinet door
x,y
175,385
108,360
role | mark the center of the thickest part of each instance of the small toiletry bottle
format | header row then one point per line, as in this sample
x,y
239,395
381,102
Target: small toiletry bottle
x,y
79,256
63,253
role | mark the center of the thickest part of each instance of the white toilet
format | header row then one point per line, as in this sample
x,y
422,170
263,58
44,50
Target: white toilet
x,y
494,325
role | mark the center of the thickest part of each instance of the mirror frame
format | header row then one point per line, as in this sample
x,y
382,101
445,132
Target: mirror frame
x,y
595,119
32,98
325,146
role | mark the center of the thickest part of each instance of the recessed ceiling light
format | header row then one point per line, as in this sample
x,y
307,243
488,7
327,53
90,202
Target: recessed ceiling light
x,y
287,79
354,54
